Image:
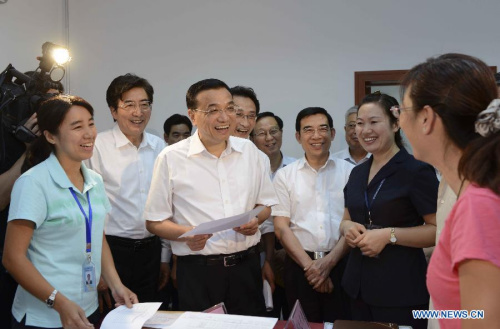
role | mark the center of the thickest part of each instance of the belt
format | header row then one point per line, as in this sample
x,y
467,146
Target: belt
x,y
227,260
317,254
135,244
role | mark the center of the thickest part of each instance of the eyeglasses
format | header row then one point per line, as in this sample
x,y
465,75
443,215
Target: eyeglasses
x,y
262,134
322,130
132,106
351,126
396,110
212,111
250,117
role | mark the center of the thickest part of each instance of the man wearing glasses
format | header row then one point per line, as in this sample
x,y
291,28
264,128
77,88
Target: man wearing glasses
x,y
267,135
248,108
124,156
307,219
208,176
354,153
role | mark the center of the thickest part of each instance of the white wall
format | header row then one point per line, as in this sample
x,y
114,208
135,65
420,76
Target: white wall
x,y
293,53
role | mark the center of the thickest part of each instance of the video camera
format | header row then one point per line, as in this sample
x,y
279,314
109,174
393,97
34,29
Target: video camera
x,y
20,98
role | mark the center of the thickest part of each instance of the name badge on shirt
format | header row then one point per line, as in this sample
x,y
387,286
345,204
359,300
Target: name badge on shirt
x,y
88,275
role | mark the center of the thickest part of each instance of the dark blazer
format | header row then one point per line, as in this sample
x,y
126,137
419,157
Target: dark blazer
x,y
396,278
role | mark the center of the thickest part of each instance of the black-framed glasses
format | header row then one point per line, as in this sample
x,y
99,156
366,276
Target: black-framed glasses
x,y
213,111
351,125
262,134
130,106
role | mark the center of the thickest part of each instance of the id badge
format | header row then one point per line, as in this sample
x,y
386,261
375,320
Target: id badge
x,y
88,275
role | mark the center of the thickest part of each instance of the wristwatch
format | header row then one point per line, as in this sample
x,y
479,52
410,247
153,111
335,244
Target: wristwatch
x,y
393,238
50,301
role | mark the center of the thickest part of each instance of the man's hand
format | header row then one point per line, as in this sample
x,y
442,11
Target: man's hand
x,y
32,125
197,242
103,295
326,287
317,272
249,228
372,242
164,275
352,232
268,274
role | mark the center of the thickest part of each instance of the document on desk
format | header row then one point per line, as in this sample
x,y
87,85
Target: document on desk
x,y
130,318
224,223
191,320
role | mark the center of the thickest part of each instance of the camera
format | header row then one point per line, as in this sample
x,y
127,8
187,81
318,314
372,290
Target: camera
x,y
21,94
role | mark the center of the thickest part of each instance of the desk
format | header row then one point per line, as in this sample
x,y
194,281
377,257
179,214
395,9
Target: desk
x,y
279,325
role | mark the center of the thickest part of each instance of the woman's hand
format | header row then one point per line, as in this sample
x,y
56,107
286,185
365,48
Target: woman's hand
x,y
123,296
72,316
352,232
372,242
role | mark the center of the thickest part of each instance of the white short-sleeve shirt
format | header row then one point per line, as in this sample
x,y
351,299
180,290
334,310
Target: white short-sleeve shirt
x,y
268,226
346,155
126,171
190,186
57,248
313,200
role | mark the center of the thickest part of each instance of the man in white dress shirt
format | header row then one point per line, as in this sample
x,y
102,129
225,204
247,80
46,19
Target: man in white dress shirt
x,y
307,219
248,105
267,135
124,156
354,153
205,177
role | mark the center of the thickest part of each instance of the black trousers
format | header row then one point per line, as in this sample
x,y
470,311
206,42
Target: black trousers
x,y
201,286
318,307
138,265
403,316
8,288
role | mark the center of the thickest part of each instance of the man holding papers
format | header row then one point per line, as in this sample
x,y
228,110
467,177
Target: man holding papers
x,y
307,219
206,177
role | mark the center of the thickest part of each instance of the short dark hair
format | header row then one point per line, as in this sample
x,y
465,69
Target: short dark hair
x,y
247,92
176,119
200,86
50,115
385,102
308,111
271,115
458,87
497,78
124,83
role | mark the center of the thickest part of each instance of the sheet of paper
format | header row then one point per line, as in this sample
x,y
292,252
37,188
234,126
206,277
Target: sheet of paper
x,y
191,320
162,320
224,223
130,318
268,296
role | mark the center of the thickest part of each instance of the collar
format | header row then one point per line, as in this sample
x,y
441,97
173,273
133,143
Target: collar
x,y
122,140
389,168
304,164
59,176
196,146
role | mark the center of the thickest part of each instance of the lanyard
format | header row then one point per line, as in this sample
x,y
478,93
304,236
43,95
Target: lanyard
x,y
88,220
368,204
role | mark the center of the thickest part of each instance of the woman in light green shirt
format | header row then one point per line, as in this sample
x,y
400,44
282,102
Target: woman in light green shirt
x,y
54,239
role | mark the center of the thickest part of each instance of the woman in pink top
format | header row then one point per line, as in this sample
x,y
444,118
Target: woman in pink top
x,y
452,120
